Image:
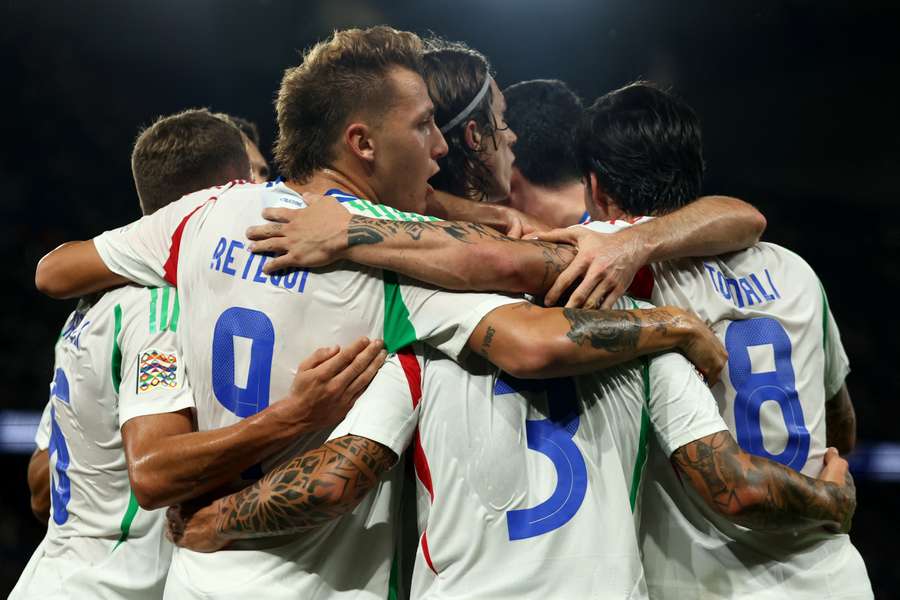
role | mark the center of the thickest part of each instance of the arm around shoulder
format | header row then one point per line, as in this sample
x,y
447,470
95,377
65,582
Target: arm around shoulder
x,y
74,269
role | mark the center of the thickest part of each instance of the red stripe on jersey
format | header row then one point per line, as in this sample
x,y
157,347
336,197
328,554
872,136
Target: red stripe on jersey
x,y
170,269
642,286
413,373
426,553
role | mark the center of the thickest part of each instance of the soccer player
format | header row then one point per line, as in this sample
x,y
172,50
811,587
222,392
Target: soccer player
x,y
783,395
477,449
119,365
546,182
259,169
784,343
354,120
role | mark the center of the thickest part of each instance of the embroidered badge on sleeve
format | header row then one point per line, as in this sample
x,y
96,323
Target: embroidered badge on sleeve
x,y
157,369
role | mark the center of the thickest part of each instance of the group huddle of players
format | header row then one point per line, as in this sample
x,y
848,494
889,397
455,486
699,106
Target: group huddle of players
x,y
270,354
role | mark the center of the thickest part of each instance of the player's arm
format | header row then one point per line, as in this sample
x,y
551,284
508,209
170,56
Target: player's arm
x,y
450,254
168,462
532,342
320,484
840,421
309,490
606,263
74,269
506,219
761,494
466,256
39,484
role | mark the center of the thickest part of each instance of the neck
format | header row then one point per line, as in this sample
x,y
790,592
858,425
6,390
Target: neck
x,y
558,206
326,179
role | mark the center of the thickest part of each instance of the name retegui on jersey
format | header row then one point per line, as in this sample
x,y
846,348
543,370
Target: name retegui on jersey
x,y
748,289
232,258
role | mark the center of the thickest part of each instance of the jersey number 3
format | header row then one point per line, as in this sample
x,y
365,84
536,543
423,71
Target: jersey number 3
x,y
553,438
754,387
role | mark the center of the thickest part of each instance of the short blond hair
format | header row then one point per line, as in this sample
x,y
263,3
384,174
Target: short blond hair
x,y
337,79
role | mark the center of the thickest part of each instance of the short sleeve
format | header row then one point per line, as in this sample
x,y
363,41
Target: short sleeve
x,y
42,435
682,409
837,365
442,319
153,378
141,250
385,413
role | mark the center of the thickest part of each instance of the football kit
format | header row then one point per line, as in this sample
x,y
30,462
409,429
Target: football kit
x,y
245,334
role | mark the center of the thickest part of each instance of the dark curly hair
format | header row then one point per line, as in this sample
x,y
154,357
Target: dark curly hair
x,y
645,147
544,114
454,74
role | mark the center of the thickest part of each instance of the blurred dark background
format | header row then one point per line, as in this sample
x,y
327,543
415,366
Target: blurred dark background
x,y
796,98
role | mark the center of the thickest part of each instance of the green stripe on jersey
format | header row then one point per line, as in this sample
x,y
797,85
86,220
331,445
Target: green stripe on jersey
x,y
153,293
382,211
176,311
164,310
641,459
116,360
160,319
398,330
394,581
127,519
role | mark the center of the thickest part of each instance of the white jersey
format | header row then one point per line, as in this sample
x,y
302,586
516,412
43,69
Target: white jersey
x,y
785,359
116,359
245,334
526,488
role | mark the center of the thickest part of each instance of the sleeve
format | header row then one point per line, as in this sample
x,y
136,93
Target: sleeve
x,y
682,409
385,412
42,435
442,319
837,365
153,378
139,251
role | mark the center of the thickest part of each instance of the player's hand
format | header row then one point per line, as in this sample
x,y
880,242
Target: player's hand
x,y
329,381
701,346
836,470
516,224
606,264
313,236
196,530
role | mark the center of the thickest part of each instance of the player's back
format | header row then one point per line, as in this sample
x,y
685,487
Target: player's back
x,y
245,333
784,361
96,528
521,488
528,488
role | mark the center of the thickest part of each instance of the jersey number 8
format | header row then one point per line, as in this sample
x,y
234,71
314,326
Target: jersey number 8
x,y
753,388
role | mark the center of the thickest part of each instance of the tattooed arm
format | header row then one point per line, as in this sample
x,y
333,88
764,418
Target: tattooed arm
x,y
761,494
305,492
531,342
450,254
840,421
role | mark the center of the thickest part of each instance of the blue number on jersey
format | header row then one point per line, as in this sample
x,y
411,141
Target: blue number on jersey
x,y
60,486
753,389
257,327
553,438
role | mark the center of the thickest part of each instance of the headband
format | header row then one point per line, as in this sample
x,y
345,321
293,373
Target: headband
x,y
467,110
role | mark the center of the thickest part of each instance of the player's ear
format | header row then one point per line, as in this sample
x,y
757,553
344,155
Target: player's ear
x,y
358,138
472,136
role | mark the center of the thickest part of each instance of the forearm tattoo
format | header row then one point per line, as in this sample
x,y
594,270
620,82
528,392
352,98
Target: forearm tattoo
x,y
610,330
366,230
307,491
758,493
